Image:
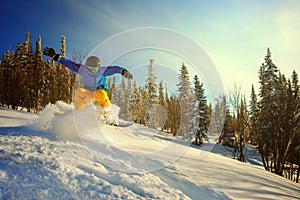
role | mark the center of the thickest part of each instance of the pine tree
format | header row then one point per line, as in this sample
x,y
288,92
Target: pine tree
x,y
242,120
137,107
254,117
39,76
184,85
113,91
7,78
209,111
276,117
167,124
122,103
27,62
290,126
174,115
128,96
161,95
63,77
203,121
184,96
49,83
133,103
162,101
17,80
194,116
151,87
268,77
294,142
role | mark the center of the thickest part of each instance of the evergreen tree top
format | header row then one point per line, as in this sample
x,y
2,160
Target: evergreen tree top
x,y
184,85
269,65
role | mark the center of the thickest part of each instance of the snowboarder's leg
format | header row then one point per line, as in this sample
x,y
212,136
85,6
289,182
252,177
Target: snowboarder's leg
x,y
81,98
102,98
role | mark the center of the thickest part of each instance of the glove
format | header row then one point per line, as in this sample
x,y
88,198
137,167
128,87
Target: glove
x,y
51,53
126,73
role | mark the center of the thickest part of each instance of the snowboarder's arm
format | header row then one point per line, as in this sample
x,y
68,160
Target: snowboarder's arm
x,y
62,60
69,63
110,70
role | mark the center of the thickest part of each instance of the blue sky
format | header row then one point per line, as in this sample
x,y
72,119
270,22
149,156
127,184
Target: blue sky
x,y
234,34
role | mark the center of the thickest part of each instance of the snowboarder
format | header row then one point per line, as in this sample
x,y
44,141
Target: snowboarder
x,y
93,77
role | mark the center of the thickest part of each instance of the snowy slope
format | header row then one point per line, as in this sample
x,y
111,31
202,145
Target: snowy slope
x,y
65,154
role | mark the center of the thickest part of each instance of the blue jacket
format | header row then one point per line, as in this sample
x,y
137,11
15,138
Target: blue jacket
x,y
90,80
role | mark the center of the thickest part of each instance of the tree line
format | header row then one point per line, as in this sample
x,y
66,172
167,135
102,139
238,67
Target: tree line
x,y
271,121
28,82
186,115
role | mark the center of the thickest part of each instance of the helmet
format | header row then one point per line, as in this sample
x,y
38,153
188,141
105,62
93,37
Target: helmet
x,y
93,61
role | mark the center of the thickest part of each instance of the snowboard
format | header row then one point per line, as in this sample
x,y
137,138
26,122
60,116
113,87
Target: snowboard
x,y
125,123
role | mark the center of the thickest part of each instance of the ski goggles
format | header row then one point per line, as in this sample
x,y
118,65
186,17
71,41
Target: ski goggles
x,y
94,68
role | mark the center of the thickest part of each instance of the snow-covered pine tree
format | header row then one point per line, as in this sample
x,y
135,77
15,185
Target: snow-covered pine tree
x,y
203,121
128,97
287,122
133,109
184,85
253,117
2,81
294,143
17,75
122,103
194,116
109,84
63,77
268,76
151,85
114,91
184,96
161,95
28,65
162,101
174,114
152,100
39,76
277,124
49,84
209,113
10,80
137,107
167,124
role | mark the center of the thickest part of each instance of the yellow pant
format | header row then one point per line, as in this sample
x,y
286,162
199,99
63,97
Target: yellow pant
x,y
83,96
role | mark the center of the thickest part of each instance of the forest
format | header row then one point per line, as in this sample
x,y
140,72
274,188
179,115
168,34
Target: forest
x,y
270,120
